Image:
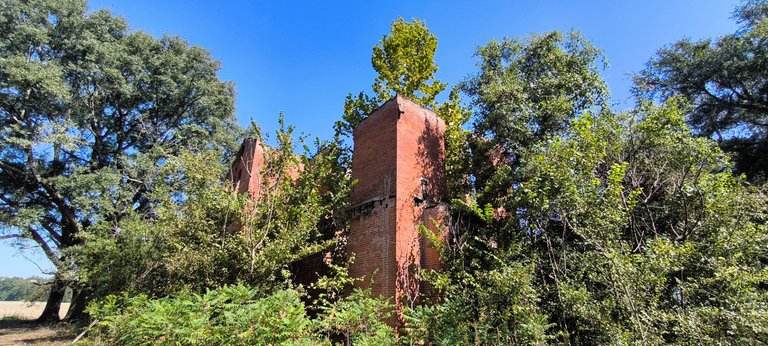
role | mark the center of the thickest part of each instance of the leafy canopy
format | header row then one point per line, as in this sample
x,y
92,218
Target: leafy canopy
x,y
628,230
725,81
526,92
89,113
405,64
404,61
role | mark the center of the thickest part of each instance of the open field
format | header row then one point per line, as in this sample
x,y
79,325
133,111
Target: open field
x,y
25,311
17,326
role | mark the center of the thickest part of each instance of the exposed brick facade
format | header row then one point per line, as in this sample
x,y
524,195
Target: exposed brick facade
x,y
245,172
248,175
399,164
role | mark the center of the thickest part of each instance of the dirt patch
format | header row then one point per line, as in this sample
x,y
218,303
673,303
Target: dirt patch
x,y
17,325
33,333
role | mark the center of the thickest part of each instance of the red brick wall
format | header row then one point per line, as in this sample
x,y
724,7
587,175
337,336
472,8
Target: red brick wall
x,y
420,156
435,219
245,172
371,238
396,148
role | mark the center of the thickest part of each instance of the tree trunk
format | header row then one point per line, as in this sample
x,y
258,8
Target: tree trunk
x,y
76,310
53,305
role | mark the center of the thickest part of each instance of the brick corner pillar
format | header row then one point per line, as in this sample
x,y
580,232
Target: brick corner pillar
x,y
399,164
245,173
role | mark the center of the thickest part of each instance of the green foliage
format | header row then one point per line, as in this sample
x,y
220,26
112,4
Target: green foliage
x,y
628,230
18,289
159,264
525,93
724,80
634,224
404,62
492,307
296,212
189,242
89,113
405,66
241,315
359,318
184,245
484,293
352,314
457,150
231,315
25,289
570,224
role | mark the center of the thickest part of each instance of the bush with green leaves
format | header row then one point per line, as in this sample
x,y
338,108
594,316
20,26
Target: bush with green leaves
x,y
351,314
231,315
485,291
628,230
641,233
241,315
188,242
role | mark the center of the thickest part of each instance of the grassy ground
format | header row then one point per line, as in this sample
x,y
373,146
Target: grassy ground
x,y
17,326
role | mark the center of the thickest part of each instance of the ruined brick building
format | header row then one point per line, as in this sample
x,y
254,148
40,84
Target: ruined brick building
x,y
399,164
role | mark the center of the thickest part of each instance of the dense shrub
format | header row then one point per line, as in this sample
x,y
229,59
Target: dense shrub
x,y
238,315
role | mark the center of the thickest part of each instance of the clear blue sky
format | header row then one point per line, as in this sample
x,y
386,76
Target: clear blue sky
x,y
303,58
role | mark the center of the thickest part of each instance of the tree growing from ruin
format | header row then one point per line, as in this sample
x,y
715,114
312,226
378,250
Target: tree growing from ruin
x,y
404,60
405,63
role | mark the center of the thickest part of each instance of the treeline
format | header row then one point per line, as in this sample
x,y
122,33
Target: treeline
x,y
570,223
25,289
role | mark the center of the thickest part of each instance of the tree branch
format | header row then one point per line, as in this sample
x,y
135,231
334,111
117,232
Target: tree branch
x,y
9,167
49,252
55,235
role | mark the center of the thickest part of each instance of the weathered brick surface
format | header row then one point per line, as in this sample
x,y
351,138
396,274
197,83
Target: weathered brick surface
x,y
248,172
373,167
435,220
399,164
245,172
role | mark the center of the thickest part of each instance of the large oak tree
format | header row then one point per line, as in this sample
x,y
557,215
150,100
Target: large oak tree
x,y
88,111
